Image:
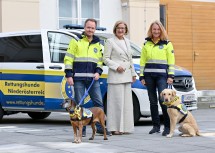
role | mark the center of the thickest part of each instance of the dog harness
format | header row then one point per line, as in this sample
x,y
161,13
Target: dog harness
x,y
85,114
181,108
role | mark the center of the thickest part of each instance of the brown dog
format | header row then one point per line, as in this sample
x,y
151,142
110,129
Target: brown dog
x,y
78,120
179,114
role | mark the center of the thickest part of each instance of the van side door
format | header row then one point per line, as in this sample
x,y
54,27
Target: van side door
x,y
22,69
1,82
55,44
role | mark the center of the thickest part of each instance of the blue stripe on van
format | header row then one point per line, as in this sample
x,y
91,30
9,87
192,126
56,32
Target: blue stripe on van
x,y
53,104
22,101
51,78
31,77
21,77
31,102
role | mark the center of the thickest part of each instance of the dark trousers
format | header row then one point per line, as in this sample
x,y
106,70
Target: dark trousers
x,y
155,85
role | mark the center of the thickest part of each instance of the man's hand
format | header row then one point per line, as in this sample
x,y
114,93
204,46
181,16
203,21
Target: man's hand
x,y
96,76
70,81
143,82
169,80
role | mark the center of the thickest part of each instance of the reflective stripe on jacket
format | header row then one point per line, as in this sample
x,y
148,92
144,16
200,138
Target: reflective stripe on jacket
x,y
83,58
157,59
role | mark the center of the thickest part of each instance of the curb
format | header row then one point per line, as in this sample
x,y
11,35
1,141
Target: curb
x,y
206,102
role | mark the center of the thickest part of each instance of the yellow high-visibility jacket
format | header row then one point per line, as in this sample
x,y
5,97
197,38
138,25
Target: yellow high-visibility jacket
x,y
157,59
83,58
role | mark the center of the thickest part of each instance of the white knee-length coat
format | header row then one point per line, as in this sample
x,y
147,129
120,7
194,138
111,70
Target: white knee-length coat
x,y
119,97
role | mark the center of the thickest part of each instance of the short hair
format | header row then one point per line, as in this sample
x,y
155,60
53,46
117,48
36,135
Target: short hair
x,y
92,20
120,22
163,35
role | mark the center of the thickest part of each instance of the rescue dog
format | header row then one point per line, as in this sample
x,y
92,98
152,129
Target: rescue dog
x,y
78,120
179,114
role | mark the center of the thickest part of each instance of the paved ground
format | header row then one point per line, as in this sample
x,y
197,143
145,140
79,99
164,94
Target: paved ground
x,y
54,135
206,99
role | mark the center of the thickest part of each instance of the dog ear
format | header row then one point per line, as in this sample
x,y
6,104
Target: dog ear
x,y
161,94
73,104
173,93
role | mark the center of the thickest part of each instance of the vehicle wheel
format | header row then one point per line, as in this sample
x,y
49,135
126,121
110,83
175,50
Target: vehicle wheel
x,y
136,108
39,115
1,113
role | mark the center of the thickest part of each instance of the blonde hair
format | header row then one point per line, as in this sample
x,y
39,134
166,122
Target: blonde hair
x,y
116,25
163,35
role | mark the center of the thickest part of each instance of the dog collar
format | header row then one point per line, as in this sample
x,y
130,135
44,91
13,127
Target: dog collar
x,y
171,102
86,113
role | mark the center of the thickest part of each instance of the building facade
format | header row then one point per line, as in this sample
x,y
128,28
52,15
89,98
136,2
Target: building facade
x,y
16,15
35,14
189,24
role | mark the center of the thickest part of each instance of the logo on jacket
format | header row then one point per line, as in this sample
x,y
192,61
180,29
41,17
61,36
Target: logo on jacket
x,y
95,50
161,47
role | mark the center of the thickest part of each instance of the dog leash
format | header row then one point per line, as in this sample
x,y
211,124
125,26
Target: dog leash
x,y
169,86
86,93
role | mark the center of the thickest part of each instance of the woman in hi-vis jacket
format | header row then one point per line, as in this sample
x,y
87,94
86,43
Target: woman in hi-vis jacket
x,y
156,71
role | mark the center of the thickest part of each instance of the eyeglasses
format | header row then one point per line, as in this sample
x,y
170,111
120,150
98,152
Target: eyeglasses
x,y
120,28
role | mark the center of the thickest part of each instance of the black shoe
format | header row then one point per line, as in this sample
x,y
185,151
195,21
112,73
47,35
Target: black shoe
x,y
165,132
154,130
102,132
84,133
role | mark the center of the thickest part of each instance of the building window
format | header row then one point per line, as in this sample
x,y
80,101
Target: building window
x,y
163,15
77,11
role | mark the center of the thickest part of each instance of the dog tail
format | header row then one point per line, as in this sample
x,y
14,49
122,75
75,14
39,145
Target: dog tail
x,y
206,134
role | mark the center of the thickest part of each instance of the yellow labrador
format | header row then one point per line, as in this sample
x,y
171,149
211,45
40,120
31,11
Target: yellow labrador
x,y
179,114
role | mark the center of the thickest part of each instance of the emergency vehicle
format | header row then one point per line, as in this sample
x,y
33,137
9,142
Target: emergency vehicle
x,y
32,75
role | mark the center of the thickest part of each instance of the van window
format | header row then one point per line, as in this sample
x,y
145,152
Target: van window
x,y
27,48
58,44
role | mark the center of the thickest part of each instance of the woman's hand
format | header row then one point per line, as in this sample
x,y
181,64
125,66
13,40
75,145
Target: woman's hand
x,y
133,79
120,69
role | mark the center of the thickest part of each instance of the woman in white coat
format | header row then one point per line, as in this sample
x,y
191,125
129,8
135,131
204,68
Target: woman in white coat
x,y
118,58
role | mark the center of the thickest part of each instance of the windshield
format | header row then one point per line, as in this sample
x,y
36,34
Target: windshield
x,y
136,50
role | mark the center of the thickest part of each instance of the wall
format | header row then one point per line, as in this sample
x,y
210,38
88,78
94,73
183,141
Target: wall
x,y
139,14
0,15
20,15
110,12
48,14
